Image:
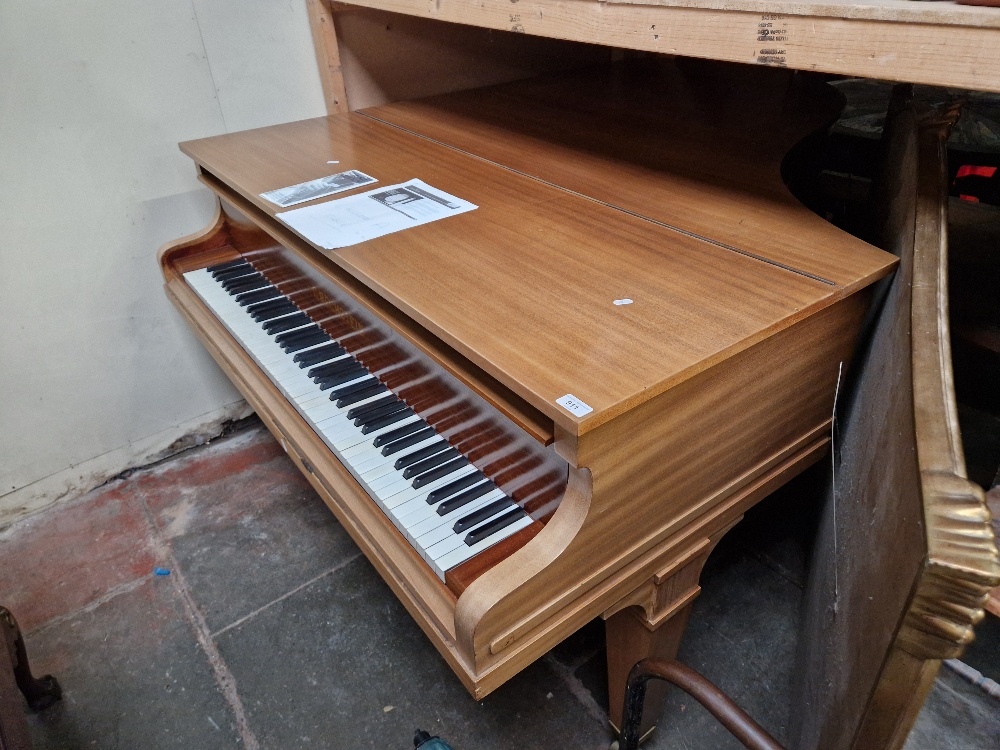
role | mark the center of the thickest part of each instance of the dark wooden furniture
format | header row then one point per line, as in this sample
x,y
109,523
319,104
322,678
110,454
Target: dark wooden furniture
x,y
905,556
16,677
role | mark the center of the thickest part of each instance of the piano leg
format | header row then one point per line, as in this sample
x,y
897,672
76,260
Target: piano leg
x,y
650,622
631,640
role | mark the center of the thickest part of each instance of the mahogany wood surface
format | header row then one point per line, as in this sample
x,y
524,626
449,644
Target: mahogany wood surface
x,y
524,286
657,138
709,392
532,421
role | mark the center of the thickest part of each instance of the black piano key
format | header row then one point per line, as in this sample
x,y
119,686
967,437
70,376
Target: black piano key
x,y
239,285
234,272
478,516
388,437
491,528
245,283
404,436
288,322
371,388
268,305
344,376
378,424
260,295
442,471
376,414
360,411
310,358
464,498
311,340
434,463
350,390
366,412
334,369
297,334
419,455
275,311
225,266
457,486
226,278
327,369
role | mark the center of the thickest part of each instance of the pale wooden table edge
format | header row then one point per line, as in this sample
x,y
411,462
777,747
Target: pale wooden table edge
x,y
959,49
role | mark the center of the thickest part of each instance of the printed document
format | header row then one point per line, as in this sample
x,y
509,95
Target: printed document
x,y
318,188
349,221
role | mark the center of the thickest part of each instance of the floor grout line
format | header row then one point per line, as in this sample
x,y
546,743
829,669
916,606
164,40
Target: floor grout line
x,y
223,676
107,596
251,615
578,690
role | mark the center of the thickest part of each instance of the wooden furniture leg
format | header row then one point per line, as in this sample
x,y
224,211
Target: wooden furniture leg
x,y
630,640
650,622
39,692
13,726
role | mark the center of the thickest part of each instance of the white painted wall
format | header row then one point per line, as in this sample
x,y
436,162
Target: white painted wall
x,y
97,370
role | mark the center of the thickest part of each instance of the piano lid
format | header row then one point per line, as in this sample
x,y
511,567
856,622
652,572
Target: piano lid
x,y
698,145
526,285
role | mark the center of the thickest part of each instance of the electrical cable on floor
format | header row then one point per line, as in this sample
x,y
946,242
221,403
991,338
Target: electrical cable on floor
x,y
988,686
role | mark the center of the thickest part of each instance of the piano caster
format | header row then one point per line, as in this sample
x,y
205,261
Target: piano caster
x,y
39,692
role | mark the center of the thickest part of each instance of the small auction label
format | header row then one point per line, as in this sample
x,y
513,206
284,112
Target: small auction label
x,y
574,405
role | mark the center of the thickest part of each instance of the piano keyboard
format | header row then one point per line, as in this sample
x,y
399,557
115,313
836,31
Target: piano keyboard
x,y
447,508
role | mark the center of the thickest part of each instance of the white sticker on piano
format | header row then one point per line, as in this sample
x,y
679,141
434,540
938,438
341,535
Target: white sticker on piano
x,y
318,188
574,405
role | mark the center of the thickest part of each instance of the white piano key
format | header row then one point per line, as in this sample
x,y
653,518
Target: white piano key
x,y
418,510
372,465
420,527
431,534
429,539
420,517
460,554
404,491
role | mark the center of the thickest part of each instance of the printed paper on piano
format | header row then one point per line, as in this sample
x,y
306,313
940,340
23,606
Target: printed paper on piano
x,y
357,218
318,188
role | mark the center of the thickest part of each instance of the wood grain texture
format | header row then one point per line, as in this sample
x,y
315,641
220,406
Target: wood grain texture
x,y
388,57
711,390
935,43
651,485
324,35
524,286
636,136
901,11
904,557
510,404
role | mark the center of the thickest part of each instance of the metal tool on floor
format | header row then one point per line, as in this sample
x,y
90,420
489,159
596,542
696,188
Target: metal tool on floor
x,y
732,717
424,741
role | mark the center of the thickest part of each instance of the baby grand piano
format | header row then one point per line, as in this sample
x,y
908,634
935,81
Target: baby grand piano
x,y
417,379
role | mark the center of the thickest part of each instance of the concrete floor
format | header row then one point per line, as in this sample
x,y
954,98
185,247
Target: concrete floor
x,y
273,631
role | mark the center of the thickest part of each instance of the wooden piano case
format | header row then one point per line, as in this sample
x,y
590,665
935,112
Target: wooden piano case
x,y
713,388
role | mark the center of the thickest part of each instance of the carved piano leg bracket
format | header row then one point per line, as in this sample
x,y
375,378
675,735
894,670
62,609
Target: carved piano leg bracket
x,y
650,622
